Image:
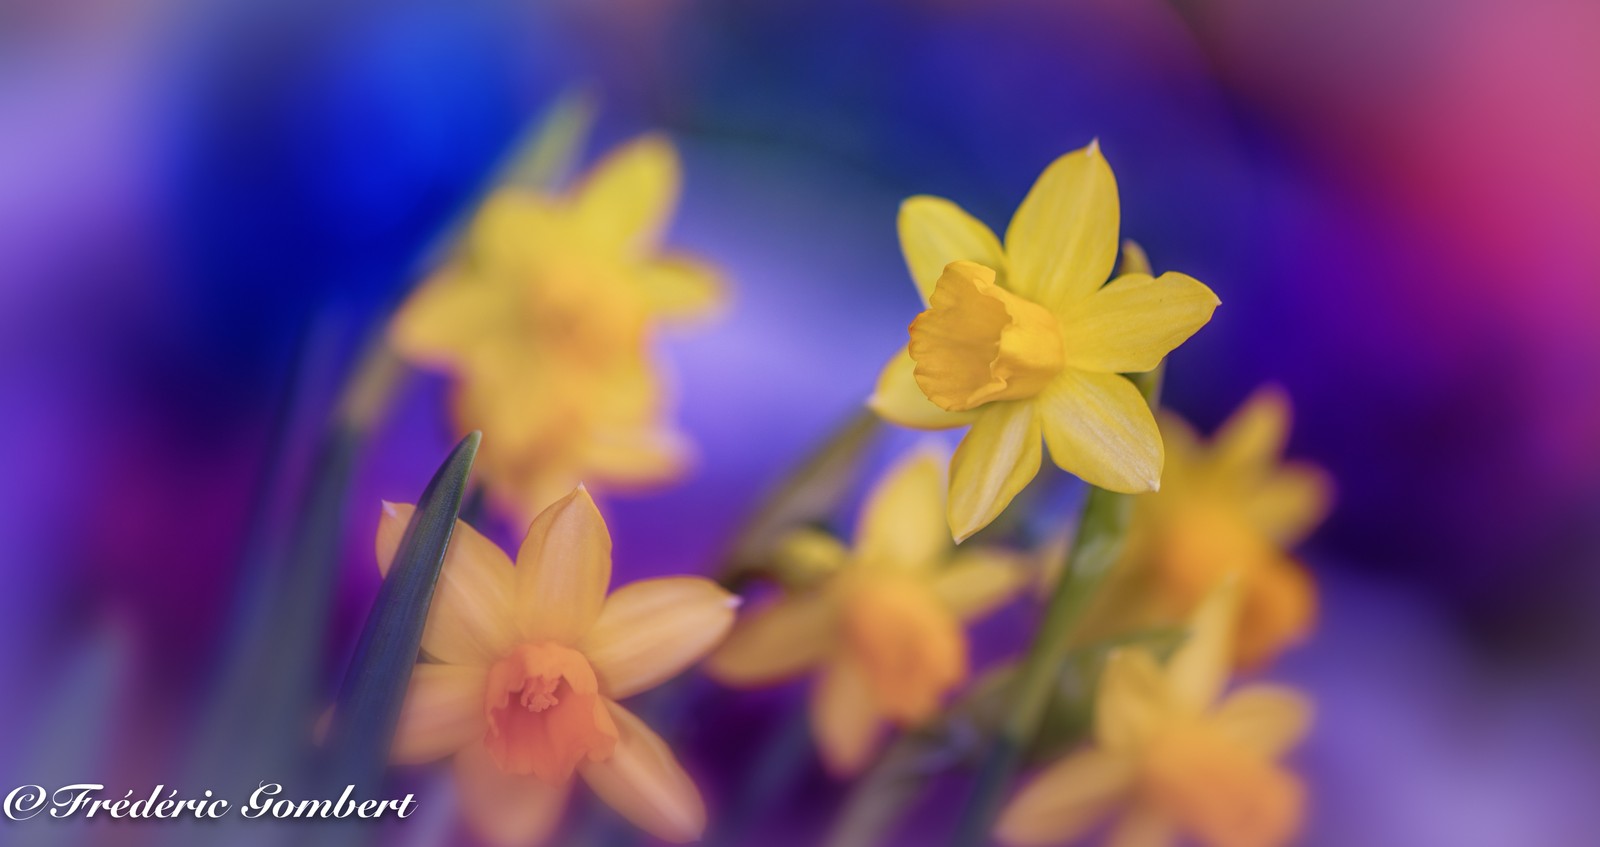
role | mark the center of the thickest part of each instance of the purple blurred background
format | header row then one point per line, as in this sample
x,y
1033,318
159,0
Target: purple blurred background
x,y
1397,202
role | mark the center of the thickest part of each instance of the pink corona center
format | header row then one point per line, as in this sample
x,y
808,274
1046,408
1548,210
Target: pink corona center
x,y
545,713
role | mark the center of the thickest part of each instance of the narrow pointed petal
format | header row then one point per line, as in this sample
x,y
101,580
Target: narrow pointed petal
x,y
1251,441
644,783
445,321
778,642
1291,502
996,460
563,570
845,721
628,198
1067,799
1132,703
1199,669
470,621
1266,719
899,400
1063,240
650,631
1134,259
902,524
679,288
977,582
1100,429
506,810
1143,826
443,713
1130,325
935,232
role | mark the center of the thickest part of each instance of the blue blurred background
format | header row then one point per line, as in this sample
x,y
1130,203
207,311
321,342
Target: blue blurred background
x,y
1396,201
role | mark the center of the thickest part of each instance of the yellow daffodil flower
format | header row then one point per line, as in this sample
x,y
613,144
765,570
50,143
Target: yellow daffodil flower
x,y
1169,760
883,625
1027,341
1232,508
529,663
545,319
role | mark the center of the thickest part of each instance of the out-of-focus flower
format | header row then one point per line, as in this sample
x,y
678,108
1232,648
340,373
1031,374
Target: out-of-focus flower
x,y
1028,341
1233,507
1168,760
528,663
883,623
545,319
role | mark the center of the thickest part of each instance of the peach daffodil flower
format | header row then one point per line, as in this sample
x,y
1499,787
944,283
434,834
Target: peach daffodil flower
x,y
528,662
1026,341
882,626
1169,760
545,319
1230,508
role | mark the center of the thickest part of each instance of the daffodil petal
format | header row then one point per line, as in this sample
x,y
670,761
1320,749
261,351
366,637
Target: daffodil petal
x,y
1142,826
1252,439
976,582
643,782
1266,719
997,459
635,456
844,719
902,524
899,400
681,288
1099,428
1184,457
443,713
563,570
1278,610
505,810
627,199
503,241
1130,325
445,321
1133,701
935,232
1134,259
778,642
470,620
806,555
1199,669
1291,502
1066,799
1062,241
649,631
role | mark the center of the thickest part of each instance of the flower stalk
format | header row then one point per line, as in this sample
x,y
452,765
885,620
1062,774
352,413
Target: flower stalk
x,y
1098,544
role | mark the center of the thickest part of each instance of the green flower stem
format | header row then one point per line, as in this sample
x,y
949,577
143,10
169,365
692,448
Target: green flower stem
x,y
1095,550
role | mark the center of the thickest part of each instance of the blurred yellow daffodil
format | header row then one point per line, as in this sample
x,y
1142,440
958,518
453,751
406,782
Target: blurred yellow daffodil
x,y
882,626
545,320
1231,508
1169,760
529,662
1027,341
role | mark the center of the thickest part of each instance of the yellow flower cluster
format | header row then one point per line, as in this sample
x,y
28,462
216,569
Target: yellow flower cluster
x,y
1169,758
881,626
544,319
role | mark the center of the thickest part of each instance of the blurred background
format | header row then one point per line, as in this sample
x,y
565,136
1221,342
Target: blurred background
x,y
1397,202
